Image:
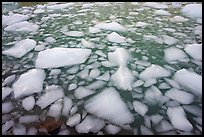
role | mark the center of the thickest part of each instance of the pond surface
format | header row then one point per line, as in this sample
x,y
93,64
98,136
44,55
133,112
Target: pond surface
x,y
139,70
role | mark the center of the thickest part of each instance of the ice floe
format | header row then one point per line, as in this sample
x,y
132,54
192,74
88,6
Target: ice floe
x,y
28,103
60,6
113,26
162,13
194,50
6,91
82,92
67,105
55,109
178,19
74,33
140,108
193,14
115,37
74,120
87,44
155,5
28,119
112,129
169,40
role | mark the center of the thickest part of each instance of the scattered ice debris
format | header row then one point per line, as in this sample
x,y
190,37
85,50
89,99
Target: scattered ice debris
x,y
19,129
82,92
55,72
169,40
25,84
115,37
90,124
178,19
193,14
74,33
108,104
55,109
28,103
28,119
7,107
94,30
140,108
190,81
162,13
50,40
113,26
194,50
178,119
67,105
74,120
87,44
58,57
155,5
112,129
6,91
20,48
60,6
24,26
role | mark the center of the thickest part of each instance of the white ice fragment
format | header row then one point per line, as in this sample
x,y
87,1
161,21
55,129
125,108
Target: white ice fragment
x,y
72,86
172,83
7,107
96,85
153,38
143,63
5,127
94,30
73,110
178,119
60,6
178,19
55,109
50,40
87,44
6,91
164,126
113,26
137,83
162,13
140,108
55,72
115,37
105,76
57,57
156,118
19,130
153,95
64,132
87,5
84,73
193,109
32,131
100,53
74,33
28,103
145,131
107,105
94,73
82,92
141,24
28,119
112,129
193,14
74,120
8,80
163,86
39,47
155,5
194,50
67,105
29,83
38,11
20,48
150,82
169,40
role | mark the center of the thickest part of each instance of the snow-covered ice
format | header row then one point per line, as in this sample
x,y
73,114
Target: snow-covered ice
x,y
28,103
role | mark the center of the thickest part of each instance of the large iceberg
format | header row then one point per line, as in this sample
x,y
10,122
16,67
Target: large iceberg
x,y
58,57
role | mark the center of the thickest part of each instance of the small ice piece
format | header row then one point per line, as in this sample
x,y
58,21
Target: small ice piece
x,y
190,81
140,108
87,5
105,76
94,73
82,92
7,126
100,53
74,120
123,78
153,38
154,71
20,48
178,19
28,119
90,124
7,107
72,86
145,131
73,110
84,73
29,83
55,109
28,103
143,63
39,47
172,83
193,109
156,118
178,119
107,105
173,54
67,105
164,86
153,95
74,33
94,30
119,57
194,50
50,96
113,26
112,129
147,121
57,57
137,83
115,37
193,14
107,64
164,126
60,6
162,13
141,24
55,72
8,80
155,5
87,44
96,85
6,91
64,132
19,130
32,131
50,40
169,40
73,69
23,26
180,96
169,29
38,11
172,104
150,82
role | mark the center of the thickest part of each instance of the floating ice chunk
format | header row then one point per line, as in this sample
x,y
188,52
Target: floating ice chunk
x,y
164,86
164,126
137,83
21,48
112,129
149,82
50,96
123,78
141,24
119,57
57,57
24,26
74,120
90,124
147,121
172,83
145,131
84,73
178,118
6,91
153,38
94,30
38,11
108,104
19,130
96,85
180,96
155,5
154,71
67,105
190,81
94,73
64,132
13,18
162,13
113,26
73,110
107,64
115,37
177,19
156,118
173,54
194,50
32,131
140,108
82,92
55,72
193,14
143,63
100,53
50,40
87,5
7,107
172,104
8,80
28,103
60,6
87,44
153,95
25,84
55,109
39,47
169,29
72,86
193,109
105,76
28,119
5,127
169,40
74,33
